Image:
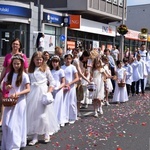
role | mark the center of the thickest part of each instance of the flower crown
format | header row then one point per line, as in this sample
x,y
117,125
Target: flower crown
x,y
17,56
55,56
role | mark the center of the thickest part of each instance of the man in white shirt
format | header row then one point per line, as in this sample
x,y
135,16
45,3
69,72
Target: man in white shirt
x,y
41,43
115,53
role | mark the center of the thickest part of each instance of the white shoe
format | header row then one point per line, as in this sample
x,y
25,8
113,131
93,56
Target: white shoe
x,y
71,122
107,103
101,110
86,106
96,114
102,103
33,142
79,114
47,138
62,124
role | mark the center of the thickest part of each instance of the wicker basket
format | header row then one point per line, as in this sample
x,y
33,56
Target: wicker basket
x,y
121,84
91,87
9,102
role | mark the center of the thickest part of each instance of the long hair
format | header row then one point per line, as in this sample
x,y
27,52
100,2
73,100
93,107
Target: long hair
x,y
16,39
32,64
55,58
96,61
20,71
38,38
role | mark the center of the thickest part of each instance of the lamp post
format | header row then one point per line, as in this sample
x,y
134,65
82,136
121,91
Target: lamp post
x,y
122,36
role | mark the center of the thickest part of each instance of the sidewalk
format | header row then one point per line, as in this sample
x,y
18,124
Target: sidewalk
x,y
125,125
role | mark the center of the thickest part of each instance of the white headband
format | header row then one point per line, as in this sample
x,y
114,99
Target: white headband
x,y
17,57
55,56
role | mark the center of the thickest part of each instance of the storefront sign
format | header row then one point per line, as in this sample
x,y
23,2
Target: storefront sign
x,y
52,18
75,21
70,44
133,35
107,29
15,11
97,28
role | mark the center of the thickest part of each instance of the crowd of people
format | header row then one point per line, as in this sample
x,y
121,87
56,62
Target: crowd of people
x,y
70,80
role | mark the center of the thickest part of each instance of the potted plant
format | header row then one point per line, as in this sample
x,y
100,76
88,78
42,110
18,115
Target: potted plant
x,y
122,29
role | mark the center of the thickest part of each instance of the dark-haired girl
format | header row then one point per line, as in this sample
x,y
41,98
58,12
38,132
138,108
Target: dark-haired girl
x,y
120,93
14,120
59,77
70,99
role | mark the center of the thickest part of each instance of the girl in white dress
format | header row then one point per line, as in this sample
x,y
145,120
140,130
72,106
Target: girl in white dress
x,y
40,118
98,78
59,77
108,83
120,93
79,90
14,121
70,99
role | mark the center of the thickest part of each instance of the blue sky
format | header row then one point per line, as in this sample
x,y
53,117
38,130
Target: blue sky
x,y
137,2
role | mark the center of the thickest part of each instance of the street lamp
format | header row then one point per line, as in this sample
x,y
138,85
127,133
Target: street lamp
x,y
122,36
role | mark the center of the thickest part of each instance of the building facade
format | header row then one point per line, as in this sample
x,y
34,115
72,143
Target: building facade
x,y
138,18
25,19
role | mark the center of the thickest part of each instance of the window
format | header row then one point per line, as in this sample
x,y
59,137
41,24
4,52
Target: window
x,y
120,2
115,1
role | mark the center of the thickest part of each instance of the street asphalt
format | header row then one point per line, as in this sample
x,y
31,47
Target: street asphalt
x,y
124,126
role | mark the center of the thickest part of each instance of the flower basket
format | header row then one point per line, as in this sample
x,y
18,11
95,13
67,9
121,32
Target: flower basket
x,y
122,29
9,102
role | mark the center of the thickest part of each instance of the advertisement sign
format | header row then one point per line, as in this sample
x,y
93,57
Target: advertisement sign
x,y
49,43
95,44
15,11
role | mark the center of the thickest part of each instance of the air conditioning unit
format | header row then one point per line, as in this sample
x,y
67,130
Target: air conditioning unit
x,y
115,1
120,2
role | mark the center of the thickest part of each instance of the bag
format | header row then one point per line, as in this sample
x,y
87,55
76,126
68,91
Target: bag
x,y
121,84
79,92
47,98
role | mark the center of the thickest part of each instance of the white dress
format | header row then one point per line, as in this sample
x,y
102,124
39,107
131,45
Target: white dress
x,y
58,95
98,80
108,81
14,120
41,118
70,99
120,93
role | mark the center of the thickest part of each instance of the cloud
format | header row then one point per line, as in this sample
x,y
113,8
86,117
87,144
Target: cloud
x,y
137,2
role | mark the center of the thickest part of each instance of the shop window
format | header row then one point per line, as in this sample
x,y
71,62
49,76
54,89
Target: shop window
x,y
80,34
71,33
89,36
58,31
49,30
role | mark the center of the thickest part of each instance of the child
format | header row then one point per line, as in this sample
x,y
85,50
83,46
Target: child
x,y
98,76
14,121
40,118
59,77
86,98
70,99
108,83
120,93
79,90
129,72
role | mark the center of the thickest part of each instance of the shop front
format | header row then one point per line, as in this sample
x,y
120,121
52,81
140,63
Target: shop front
x,y
54,30
91,35
14,23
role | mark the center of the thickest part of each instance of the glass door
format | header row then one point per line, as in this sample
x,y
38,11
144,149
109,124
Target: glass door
x,y
5,37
